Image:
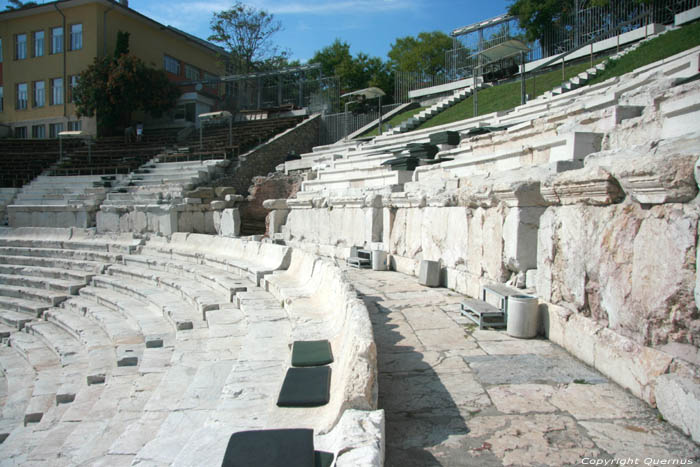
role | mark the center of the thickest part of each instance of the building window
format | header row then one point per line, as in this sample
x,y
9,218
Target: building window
x,y
75,126
38,131
57,91
38,43
21,132
73,84
172,65
55,129
191,72
2,100
39,94
20,46
76,36
21,96
56,40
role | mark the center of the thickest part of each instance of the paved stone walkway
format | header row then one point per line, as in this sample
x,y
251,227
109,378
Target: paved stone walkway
x,y
455,395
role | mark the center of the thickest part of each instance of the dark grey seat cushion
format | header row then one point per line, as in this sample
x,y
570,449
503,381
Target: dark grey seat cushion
x,y
311,353
306,387
270,448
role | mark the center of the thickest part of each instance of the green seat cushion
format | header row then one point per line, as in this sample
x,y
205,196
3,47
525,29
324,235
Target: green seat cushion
x,y
323,459
270,448
306,387
311,353
445,137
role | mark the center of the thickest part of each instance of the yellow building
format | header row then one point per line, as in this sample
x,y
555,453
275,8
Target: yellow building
x,y
43,48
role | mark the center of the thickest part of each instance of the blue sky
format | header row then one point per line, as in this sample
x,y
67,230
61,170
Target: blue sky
x,y
369,26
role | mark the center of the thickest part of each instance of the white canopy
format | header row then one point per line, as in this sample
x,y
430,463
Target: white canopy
x,y
368,93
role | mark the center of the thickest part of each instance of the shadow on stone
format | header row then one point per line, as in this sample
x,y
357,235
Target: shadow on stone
x,y
420,412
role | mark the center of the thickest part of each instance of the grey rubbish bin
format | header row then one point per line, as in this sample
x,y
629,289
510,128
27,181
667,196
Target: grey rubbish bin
x,y
379,260
523,317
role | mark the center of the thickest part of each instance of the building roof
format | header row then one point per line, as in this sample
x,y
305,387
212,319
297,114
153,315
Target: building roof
x,y
60,4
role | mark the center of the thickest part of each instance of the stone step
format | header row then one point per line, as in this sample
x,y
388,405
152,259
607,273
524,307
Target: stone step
x,y
55,285
203,298
61,253
20,382
77,277
99,347
182,316
203,392
15,319
32,294
68,349
136,312
119,330
212,277
54,263
29,307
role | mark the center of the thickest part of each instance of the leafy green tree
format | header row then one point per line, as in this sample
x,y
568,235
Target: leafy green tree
x,y
19,4
122,46
541,18
424,53
354,73
114,88
246,34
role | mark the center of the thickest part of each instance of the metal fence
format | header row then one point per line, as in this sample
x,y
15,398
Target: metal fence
x,y
566,33
333,126
318,94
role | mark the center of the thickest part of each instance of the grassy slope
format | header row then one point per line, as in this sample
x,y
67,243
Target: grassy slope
x,y
396,120
507,96
657,49
504,97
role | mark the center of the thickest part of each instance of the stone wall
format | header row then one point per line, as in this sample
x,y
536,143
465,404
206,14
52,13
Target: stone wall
x,y
266,157
274,186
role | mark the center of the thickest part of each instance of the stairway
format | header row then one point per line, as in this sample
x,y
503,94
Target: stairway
x,y
433,110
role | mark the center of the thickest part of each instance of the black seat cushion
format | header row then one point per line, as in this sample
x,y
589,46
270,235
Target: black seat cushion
x,y
271,448
306,387
311,353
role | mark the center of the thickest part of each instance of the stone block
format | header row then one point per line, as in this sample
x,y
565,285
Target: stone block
x,y
276,220
218,205
678,400
201,192
531,278
189,200
520,238
230,223
429,274
275,204
221,191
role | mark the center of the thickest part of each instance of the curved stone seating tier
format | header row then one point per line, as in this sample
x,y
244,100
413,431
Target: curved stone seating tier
x,y
201,297
48,283
130,371
120,331
19,376
138,314
250,259
203,274
30,272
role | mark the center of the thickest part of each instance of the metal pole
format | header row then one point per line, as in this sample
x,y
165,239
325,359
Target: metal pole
x,y
476,105
230,131
591,55
562,69
522,78
201,127
380,116
346,121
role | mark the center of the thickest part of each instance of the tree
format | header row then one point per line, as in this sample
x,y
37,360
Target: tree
x,y
114,88
541,19
19,5
425,53
246,34
353,73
